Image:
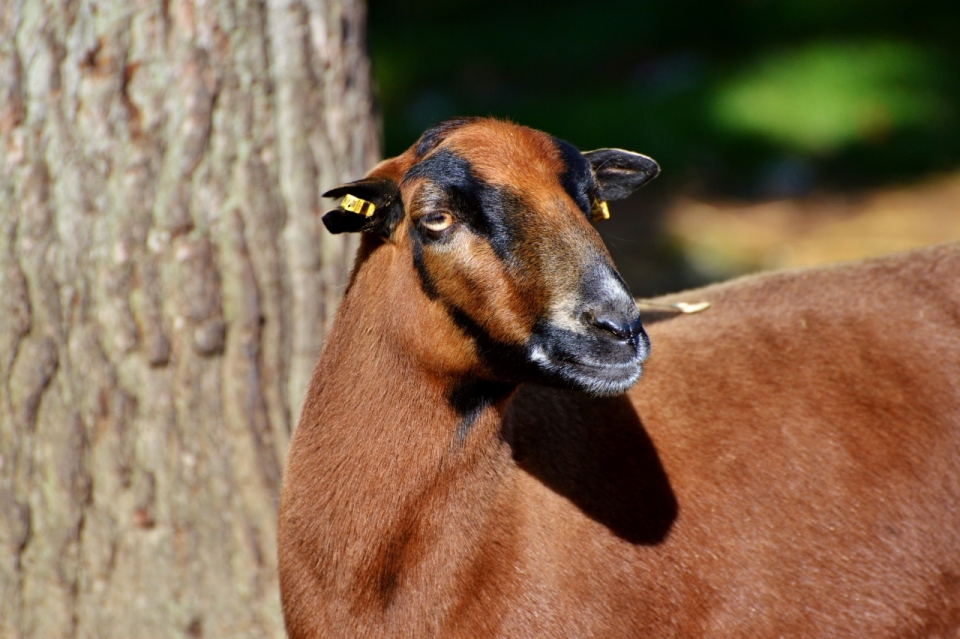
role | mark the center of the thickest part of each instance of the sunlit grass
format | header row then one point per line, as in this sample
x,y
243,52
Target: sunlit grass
x,y
827,95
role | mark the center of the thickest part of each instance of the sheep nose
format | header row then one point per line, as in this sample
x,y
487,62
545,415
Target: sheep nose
x,y
616,325
622,326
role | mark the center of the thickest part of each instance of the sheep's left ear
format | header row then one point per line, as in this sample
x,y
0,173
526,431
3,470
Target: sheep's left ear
x,y
371,204
619,173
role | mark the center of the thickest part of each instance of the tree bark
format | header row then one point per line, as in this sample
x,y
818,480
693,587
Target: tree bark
x,y
164,289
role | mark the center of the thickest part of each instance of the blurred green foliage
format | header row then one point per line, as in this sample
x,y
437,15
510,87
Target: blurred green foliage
x,y
746,97
825,96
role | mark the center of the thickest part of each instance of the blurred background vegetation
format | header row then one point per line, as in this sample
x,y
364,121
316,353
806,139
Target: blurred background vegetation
x,y
790,132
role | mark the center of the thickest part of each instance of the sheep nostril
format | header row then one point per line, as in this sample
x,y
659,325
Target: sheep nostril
x,y
620,327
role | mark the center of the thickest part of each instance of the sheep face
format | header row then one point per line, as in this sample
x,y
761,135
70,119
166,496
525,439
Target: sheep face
x,y
495,220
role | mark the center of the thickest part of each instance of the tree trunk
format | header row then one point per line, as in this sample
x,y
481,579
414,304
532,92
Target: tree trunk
x,y
164,289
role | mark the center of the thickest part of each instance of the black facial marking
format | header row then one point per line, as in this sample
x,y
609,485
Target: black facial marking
x,y
490,211
426,281
433,136
469,398
577,178
447,170
508,360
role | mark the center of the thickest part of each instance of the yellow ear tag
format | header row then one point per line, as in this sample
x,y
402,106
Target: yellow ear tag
x,y
358,206
599,211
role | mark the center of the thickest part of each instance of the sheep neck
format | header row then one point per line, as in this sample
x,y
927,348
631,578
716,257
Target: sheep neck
x,y
412,464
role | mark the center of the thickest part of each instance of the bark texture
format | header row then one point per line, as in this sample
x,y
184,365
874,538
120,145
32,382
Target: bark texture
x,y
164,289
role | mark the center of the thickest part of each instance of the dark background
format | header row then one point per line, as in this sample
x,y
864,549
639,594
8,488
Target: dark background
x,y
747,100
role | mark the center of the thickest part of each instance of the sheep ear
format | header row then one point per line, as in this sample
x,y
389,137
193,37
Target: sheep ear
x,y
371,204
619,173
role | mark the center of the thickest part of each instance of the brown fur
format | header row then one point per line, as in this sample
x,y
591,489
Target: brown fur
x,y
788,465
535,162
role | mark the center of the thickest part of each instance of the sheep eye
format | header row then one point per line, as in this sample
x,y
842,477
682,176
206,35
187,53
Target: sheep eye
x,y
437,222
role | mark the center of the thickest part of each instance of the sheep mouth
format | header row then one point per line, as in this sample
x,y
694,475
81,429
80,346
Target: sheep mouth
x,y
587,364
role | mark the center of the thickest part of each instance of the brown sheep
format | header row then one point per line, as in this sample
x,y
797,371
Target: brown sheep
x,y
475,460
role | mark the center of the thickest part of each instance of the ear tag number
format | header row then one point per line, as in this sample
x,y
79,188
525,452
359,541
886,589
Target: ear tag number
x,y
599,211
356,205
